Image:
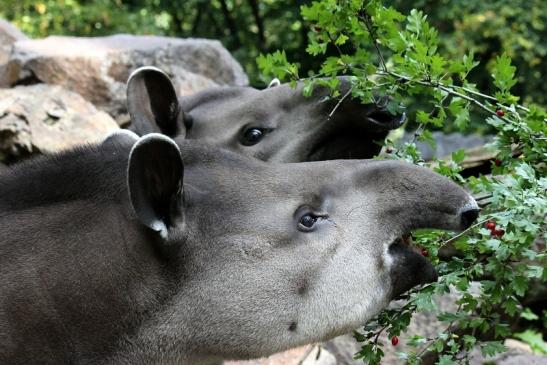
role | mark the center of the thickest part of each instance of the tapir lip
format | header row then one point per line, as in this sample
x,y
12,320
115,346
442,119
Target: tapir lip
x,y
409,269
385,120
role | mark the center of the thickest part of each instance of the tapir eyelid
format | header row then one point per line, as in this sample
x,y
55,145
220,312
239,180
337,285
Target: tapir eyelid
x,y
310,208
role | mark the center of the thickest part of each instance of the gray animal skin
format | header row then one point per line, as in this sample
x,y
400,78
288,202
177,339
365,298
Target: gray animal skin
x,y
275,124
158,252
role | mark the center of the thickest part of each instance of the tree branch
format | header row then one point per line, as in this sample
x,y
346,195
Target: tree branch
x,y
259,24
230,24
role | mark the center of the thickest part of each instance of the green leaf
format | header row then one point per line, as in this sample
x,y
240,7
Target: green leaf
x,y
468,64
276,65
415,21
316,48
458,156
520,284
459,108
424,302
502,330
438,64
525,171
307,90
504,73
469,341
446,360
529,315
370,353
342,38
535,271
534,339
416,340
491,348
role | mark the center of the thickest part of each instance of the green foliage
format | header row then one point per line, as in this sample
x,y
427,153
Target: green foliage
x,y
408,62
276,64
535,340
481,29
489,29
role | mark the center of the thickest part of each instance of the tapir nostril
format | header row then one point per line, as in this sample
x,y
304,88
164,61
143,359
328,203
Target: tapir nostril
x,y
468,216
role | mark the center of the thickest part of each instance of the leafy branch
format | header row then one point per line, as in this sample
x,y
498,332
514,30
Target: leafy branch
x,y
387,53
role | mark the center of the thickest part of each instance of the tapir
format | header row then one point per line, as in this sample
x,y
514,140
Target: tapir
x,y
152,251
275,124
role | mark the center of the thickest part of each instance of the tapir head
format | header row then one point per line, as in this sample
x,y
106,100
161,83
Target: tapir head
x,y
271,256
275,124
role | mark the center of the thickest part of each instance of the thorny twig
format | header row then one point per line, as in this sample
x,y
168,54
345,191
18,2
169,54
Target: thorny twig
x,y
452,239
368,24
340,102
453,92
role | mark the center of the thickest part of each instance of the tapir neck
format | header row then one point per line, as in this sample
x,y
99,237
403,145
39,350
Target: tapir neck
x,y
171,336
82,295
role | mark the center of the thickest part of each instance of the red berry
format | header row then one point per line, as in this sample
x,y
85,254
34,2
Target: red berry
x,y
491,225
394,340
497,162
425,252
497,233
500,112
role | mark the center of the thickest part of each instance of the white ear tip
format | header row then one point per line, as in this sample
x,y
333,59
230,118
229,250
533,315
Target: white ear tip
x,y
145,68
275,82
153,136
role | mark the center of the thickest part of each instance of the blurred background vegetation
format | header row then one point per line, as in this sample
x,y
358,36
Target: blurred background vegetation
x,y
250,27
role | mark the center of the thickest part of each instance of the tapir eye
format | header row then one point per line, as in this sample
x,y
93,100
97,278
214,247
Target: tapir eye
x,y
252,136
307,222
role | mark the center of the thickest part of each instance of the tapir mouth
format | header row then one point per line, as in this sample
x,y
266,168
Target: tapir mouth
x,y
354,139
410,268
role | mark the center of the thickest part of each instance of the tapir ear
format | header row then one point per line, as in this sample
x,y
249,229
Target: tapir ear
x,y
154,179
275,82
152,103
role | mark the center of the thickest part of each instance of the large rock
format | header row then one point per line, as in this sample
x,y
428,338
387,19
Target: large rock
x,y
445,144
47,118
98,68
518,353
9,34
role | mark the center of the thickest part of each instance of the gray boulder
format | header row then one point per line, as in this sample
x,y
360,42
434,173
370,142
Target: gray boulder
x,y
447,143
98,68
518,353
9,34
47,118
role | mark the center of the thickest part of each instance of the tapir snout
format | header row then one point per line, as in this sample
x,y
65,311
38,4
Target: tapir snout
x,y
412,197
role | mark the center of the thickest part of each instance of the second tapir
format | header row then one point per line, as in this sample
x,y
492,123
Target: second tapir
x,y
275,124
158,252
